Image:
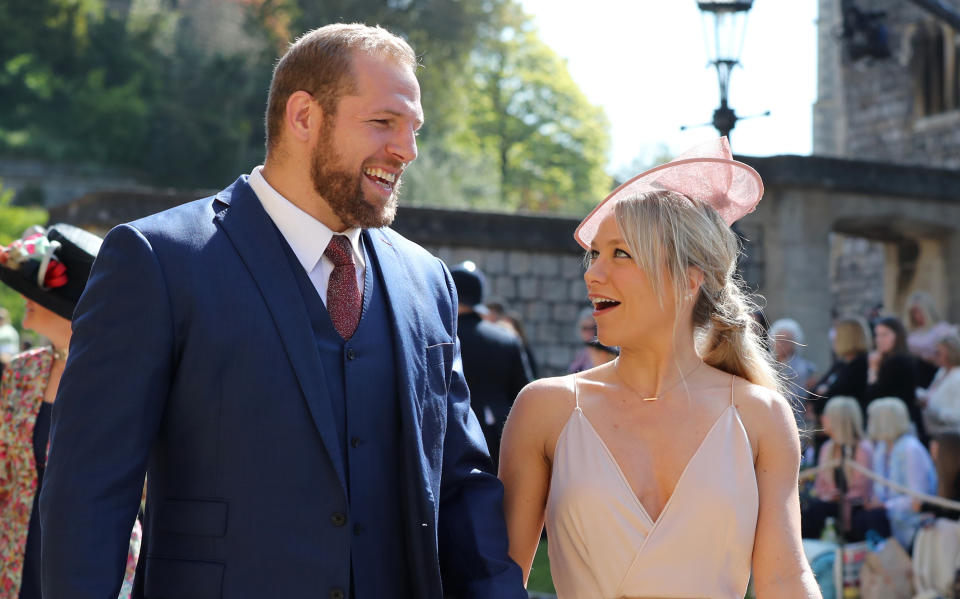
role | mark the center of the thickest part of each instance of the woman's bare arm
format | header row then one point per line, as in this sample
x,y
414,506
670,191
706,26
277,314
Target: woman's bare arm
x,y
780,568
525,469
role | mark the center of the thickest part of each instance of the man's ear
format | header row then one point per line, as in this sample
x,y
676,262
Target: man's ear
x,y
302,116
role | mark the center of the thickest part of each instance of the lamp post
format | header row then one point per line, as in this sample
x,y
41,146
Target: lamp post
x,y
724,24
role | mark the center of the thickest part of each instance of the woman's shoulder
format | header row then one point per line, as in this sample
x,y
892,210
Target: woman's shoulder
x,y
766,414
547,393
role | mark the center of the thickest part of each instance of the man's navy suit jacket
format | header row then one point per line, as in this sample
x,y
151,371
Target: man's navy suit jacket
x,y
193,361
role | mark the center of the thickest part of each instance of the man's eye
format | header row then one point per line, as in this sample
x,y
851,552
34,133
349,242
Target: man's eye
x,y
381,122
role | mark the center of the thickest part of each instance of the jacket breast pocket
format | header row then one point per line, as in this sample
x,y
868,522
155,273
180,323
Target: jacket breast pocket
x,y
182,579
439,359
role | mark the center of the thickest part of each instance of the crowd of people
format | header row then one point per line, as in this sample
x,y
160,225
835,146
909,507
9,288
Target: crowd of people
x,y
888,405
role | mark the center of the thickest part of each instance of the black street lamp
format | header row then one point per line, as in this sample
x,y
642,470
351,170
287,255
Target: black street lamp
x,y
724,24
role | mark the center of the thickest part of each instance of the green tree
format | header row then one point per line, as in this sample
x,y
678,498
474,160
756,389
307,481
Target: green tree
x,y
549,142
14,220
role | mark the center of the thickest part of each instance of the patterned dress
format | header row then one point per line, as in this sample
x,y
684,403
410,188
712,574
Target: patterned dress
x,y
21,397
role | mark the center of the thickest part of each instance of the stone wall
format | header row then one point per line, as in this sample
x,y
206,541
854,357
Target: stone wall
x,y
813,246
871,109
857,270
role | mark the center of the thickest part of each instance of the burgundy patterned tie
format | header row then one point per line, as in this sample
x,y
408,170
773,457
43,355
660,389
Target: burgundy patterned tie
x,y
343,297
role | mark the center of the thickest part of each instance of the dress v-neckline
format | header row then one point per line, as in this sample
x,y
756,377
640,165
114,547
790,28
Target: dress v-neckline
x,y
626,483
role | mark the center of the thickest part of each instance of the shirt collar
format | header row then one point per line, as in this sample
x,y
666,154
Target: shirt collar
x,y
308,237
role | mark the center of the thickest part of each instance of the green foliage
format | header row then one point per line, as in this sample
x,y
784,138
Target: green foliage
x,y
14,220
540,579
549,142
176,92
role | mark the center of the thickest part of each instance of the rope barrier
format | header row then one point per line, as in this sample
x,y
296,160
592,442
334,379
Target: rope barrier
x,y
923,497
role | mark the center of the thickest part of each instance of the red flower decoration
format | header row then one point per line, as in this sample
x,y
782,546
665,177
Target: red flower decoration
x,y
56,275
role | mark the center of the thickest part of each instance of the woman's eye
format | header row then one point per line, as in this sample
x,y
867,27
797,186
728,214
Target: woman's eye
x,y
621,254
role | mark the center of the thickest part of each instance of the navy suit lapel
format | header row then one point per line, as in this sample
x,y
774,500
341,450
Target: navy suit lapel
x,y
410,355
407,325
254,237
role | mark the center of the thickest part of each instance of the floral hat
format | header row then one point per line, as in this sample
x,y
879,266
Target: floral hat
x,y
707,172
50,266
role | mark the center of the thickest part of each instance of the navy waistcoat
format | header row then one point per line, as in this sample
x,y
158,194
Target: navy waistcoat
x,y
360,375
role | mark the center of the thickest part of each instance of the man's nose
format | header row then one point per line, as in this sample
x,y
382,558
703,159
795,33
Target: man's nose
x,y
404,145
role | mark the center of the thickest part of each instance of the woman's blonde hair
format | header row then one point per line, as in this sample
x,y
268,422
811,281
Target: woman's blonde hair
x,y
852,336
888,419
846,420
667,233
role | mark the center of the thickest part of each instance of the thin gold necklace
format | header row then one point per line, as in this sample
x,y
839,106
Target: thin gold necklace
x,y
683,377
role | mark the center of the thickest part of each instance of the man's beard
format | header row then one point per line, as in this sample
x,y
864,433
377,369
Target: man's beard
x,y
343,190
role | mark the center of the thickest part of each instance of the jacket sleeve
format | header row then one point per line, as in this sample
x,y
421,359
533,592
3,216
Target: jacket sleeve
x,y
472,534
105,418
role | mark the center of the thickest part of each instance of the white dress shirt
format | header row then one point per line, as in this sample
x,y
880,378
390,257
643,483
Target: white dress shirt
x,y
308,237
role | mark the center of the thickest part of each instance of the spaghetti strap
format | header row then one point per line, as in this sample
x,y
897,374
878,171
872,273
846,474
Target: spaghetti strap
x,y
733,379
576,390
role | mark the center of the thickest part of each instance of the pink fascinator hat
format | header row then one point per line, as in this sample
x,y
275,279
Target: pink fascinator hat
x,y
707,172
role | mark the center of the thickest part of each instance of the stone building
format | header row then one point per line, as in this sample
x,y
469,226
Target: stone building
x,y
903,108
888,92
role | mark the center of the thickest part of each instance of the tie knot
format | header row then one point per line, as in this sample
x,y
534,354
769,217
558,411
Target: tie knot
x,y
339,251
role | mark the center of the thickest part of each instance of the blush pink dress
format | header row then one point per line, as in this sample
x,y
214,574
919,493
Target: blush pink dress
x,y
604,545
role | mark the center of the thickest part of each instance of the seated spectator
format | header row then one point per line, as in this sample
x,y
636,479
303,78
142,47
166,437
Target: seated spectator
x,y
891,370
586,332
600,353
837,491
945,452
787,338
925,330
848,374
512,320
898,457
941,401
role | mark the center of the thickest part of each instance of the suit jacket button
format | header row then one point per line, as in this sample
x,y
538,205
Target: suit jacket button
x,y
356,442
338,519
351,354
336,594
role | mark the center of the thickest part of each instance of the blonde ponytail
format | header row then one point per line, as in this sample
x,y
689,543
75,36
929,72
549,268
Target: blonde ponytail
x,y
668,233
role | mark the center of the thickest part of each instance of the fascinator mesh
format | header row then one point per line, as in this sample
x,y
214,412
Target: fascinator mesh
x,y
706,172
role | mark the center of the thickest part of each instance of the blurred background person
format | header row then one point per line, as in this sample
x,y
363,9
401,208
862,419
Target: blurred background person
x,y
901,458
891,370
494,311
586,333
925,329
786,337
945,452
9,339
60,257
940,402
494,363
848,374
838,492
600,353
512,320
